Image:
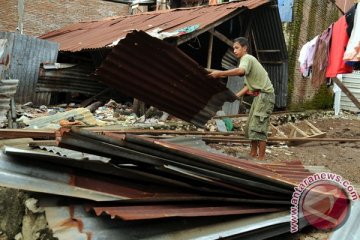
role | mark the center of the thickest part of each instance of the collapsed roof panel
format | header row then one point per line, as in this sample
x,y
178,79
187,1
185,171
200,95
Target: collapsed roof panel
x,y
173,22
81,224
60,77
163,76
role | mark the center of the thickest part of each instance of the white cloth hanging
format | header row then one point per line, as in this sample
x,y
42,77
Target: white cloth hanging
x,y
352,52
306,56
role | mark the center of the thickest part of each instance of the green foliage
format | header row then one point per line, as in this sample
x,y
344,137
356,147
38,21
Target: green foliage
x,y
323,99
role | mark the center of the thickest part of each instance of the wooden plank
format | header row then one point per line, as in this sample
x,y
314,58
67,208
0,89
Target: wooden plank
x,y
298,130
347,92
209,57
313,127
186,37
38,143
269,51
222,37
280,139
277,130
27,133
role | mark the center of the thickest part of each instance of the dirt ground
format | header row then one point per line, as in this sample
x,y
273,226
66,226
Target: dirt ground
x,y
342,158
339,157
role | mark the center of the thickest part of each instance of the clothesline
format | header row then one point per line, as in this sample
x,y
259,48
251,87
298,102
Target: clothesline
x,y
334,51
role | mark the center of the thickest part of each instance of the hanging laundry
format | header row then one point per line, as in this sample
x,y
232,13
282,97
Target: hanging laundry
x,y
306,56
321,57
351,53
339,40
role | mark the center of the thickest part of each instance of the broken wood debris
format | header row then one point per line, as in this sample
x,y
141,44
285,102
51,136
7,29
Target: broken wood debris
x,y
231,139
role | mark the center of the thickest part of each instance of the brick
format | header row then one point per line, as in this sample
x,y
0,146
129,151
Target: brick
x,y
42,16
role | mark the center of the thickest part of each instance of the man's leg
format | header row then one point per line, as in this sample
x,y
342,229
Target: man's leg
x,y
254,147
262,148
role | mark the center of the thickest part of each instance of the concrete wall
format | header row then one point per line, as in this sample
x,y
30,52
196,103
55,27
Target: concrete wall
x,y
42,16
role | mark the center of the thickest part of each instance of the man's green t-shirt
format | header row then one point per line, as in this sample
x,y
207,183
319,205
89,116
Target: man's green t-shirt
x,y
256,77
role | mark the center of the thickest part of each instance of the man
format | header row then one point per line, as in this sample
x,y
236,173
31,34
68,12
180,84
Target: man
x,y
258,84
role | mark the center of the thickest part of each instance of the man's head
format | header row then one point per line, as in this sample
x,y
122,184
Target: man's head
x,y
240,46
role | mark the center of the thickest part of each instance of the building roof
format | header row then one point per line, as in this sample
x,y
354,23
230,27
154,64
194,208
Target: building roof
x,y
174,22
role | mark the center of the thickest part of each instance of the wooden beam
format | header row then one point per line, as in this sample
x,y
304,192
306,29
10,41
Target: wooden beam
x,y
209,57
280,139
222,37
158,132
347,92
269,51
297,130
27,133
186,37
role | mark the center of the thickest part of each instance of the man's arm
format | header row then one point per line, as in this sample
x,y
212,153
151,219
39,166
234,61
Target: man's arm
x,y
232,72
242,91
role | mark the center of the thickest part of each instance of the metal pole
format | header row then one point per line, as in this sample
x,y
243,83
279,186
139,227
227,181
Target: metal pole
x,y
21,10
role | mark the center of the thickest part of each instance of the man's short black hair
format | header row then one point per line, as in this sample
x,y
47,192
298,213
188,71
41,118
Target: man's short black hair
x,y
242,41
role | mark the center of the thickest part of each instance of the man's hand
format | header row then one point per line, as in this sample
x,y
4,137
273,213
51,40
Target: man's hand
x,y
216,74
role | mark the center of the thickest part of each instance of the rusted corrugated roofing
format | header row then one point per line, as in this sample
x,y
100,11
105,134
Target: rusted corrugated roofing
x,y
163,76
68,78
165,211
102,33
73,222
63,177
228,171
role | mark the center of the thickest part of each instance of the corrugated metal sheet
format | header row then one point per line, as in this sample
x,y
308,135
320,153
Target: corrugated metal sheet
x,y
26,54
7,91
79,78
102,33
278,74
80,114
235,84
73,222
350,230
74,154
46,173
14,173
352,82
163,76
181,159
268,35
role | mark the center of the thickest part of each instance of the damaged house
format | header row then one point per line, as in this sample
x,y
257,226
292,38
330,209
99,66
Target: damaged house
x,y
202,33
156,189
